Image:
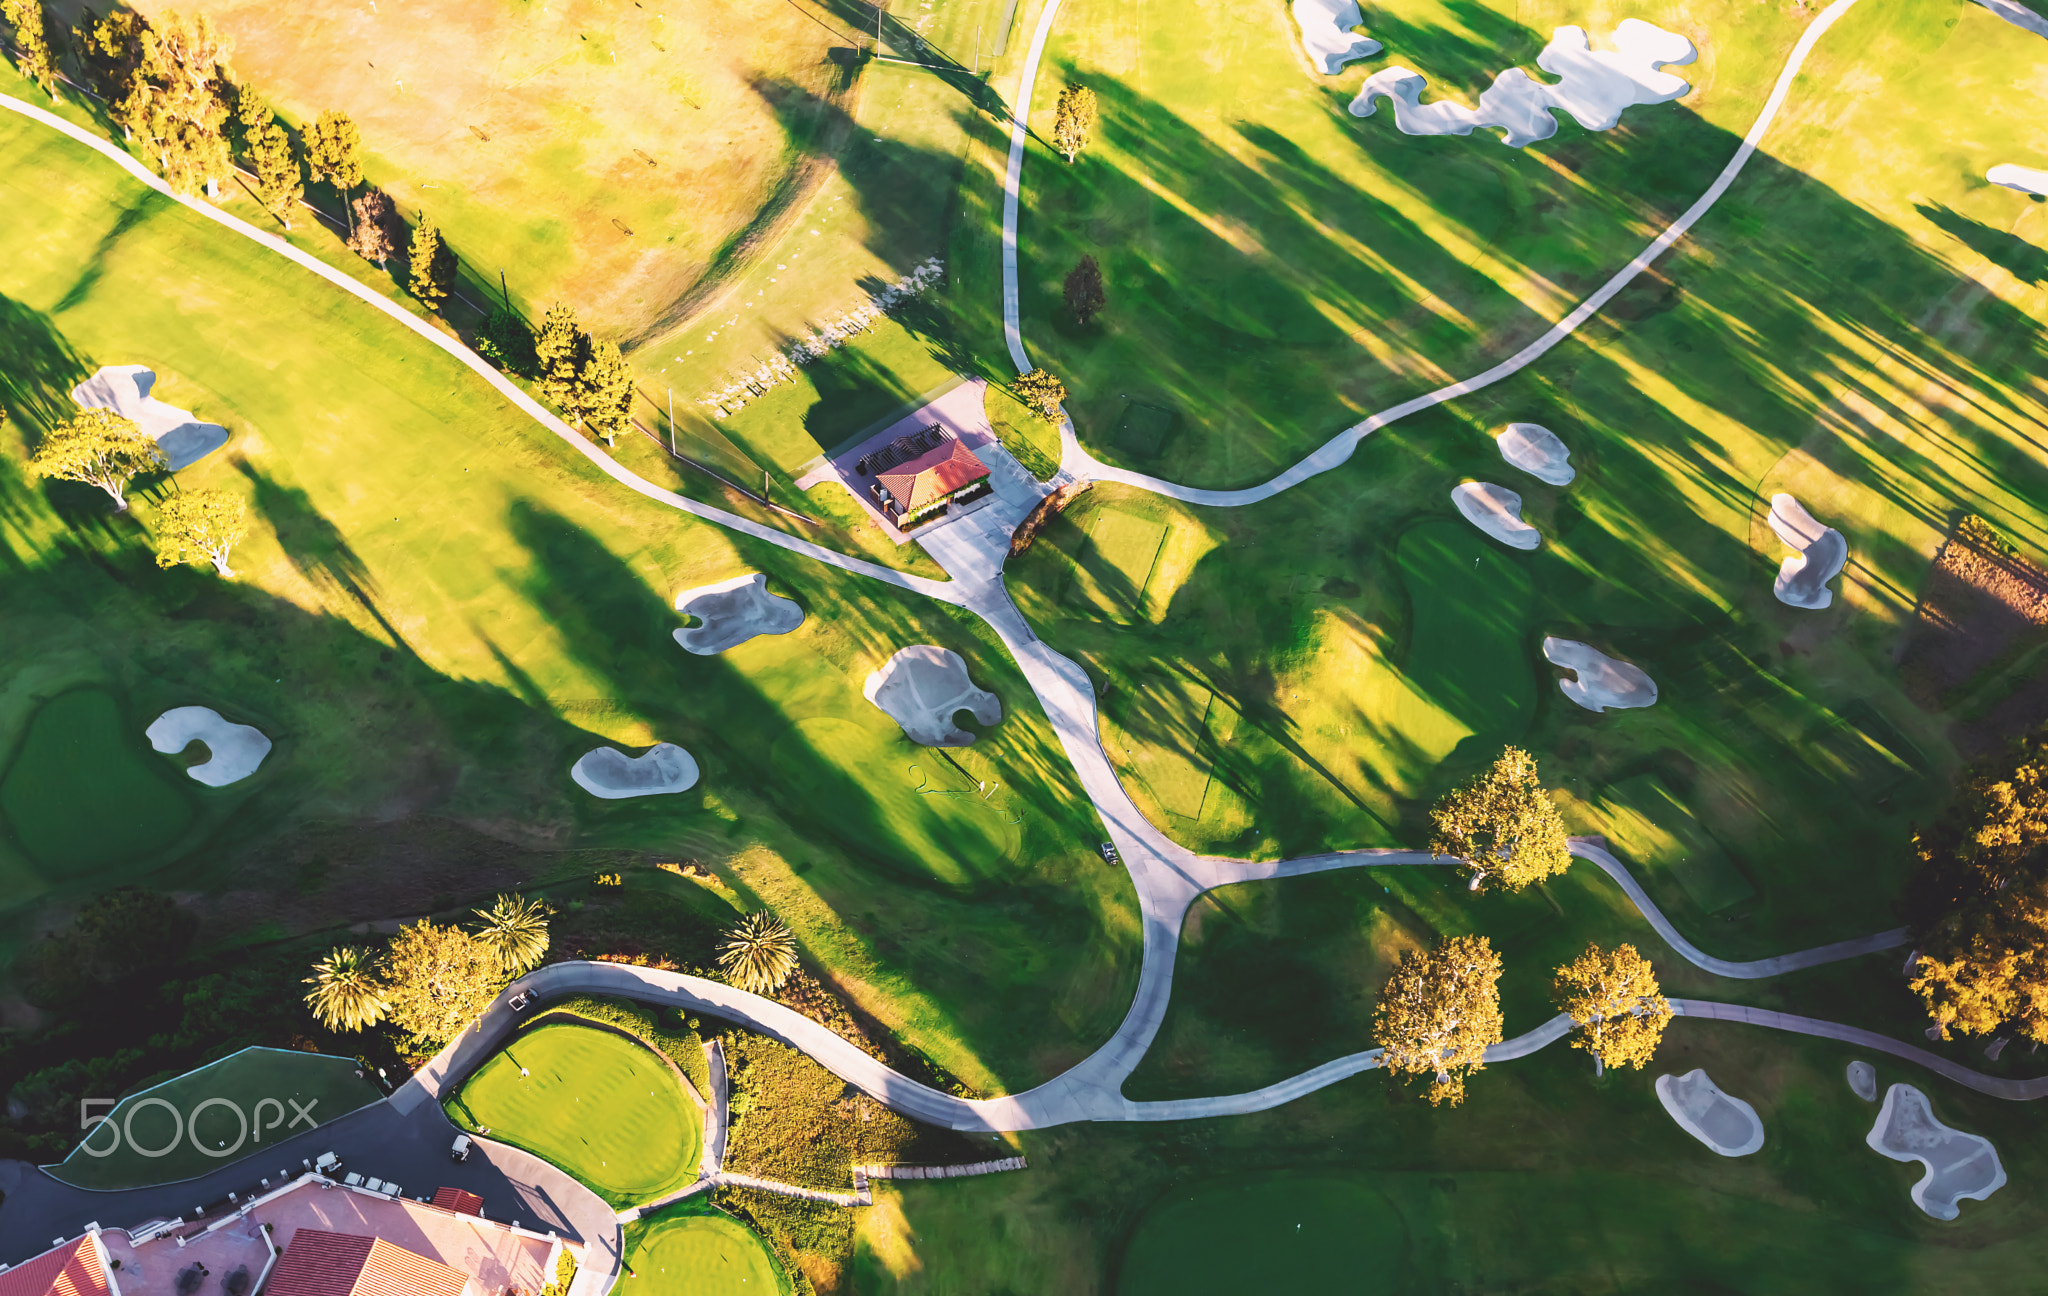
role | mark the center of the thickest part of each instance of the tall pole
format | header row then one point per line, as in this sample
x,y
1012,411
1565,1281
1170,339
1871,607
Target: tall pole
x,y
503,291
672,422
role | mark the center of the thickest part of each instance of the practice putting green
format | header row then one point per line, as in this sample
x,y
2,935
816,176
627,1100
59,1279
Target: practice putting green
x,y
222,1112
697,1253
83,792
1558,1232
605,1109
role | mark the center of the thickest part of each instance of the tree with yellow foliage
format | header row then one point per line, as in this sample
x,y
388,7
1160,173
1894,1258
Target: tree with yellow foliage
x,y
1503,826
1438,1014
1618,1013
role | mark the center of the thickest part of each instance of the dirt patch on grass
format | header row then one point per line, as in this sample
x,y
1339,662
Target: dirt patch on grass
x,y
1984,605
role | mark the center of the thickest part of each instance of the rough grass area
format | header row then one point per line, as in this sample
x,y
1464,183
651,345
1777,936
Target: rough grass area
x,y
84,793
249,1100
692,1250
608,155
601,1107
795,1122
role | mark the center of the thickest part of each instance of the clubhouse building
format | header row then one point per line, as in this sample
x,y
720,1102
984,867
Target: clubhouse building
x,y
312,1236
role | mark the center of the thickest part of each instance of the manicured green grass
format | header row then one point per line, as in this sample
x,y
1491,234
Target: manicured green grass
x,y
602,1107
84,793
438,609
696,1252
1582,1231
1653,829
1276,267
205,1118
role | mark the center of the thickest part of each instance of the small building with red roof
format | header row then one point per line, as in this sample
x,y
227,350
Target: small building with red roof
x,y
925,484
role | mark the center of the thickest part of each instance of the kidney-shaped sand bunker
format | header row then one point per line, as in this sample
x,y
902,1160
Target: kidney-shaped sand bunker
x,y
922,686
609,773
734,611
236,749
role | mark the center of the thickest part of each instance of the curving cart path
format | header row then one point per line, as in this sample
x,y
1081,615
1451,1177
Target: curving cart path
x,y
1078,463
1166,876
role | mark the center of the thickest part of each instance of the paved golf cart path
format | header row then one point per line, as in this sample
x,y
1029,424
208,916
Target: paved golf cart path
x,y
1166,876
1078,463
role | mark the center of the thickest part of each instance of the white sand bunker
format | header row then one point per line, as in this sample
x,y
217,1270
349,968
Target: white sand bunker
x,y
1727,1125
1497,511
2024,179
609,773
733,612
1803,579
124,389
1536,450
1863,1081
1603,682
922,687
1958,1165
1326,33
1595,87
235,749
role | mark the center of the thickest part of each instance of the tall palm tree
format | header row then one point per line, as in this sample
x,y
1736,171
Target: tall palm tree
x,y
516,930
759,953
347,992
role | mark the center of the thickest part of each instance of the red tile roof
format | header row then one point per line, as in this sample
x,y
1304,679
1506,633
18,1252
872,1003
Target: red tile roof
x,y
462,1203
73,1269
933,475
319,1263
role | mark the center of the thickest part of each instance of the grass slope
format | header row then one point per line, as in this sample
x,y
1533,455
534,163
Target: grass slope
x,y
605,1109
249,1100
439,610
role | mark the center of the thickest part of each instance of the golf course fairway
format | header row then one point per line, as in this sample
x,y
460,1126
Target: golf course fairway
x,y
606,1110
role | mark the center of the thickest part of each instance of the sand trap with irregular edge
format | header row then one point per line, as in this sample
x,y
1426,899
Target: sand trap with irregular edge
x,y
1863,1081
1803,579
1326,33
1603,682
1958,1165
1727,1125
2021,178
124,389
733,612
1536,450
1497,511
236,749
922,686
1594,86
609,773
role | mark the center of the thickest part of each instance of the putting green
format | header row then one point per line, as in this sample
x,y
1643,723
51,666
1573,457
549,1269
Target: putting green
x,y
84,794
1415,1233
603,1108
204,1119
697,1254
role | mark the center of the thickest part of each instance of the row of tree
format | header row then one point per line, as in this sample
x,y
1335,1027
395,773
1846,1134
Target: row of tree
x,y
434,979
1440,1011
108,450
